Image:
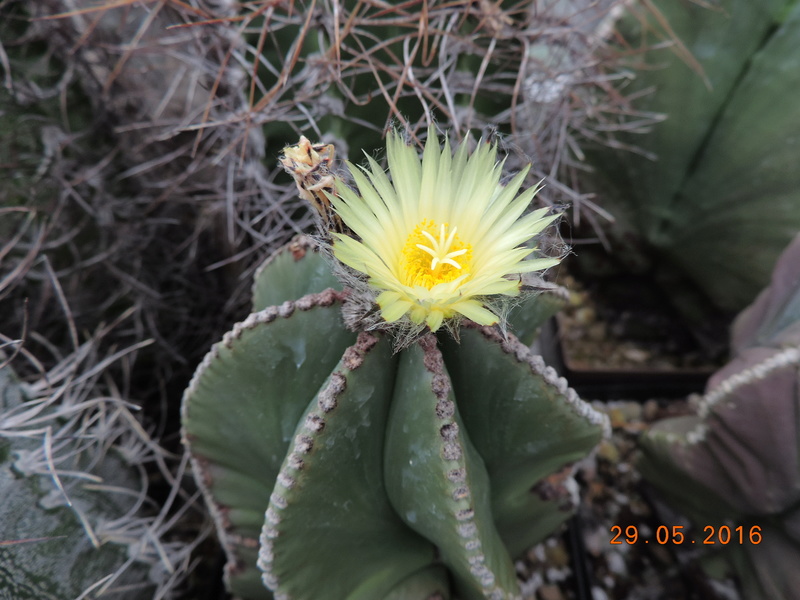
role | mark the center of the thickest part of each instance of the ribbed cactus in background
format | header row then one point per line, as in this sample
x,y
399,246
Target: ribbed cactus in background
x,y
735,464
712,196
347,470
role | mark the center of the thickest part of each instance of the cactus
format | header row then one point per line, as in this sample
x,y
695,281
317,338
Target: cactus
x,y
342,469
135,123
711,195
96,117
75,521
734,463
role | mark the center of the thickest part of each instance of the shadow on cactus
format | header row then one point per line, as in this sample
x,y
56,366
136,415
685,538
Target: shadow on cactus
x,y
735,464
347,449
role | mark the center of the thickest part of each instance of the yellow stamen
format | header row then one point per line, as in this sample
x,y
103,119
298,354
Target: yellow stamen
x,y
430,260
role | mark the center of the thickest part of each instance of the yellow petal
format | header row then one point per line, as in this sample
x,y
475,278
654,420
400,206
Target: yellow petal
x,y
434,319
473,310
391,312
418,314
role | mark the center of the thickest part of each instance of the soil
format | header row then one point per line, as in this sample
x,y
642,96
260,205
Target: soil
x,y
614,325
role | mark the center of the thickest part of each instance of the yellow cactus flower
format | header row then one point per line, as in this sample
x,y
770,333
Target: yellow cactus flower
x,y
442,236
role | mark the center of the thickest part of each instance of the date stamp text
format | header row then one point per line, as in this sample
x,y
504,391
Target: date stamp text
x,y
712,535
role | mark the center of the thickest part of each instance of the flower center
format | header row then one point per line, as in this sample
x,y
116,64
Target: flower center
x,y
434,254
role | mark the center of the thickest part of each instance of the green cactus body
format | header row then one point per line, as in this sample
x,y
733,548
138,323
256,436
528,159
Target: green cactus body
x,y
342,426
735,463
368,474
538,425
242,409
437,480
714,194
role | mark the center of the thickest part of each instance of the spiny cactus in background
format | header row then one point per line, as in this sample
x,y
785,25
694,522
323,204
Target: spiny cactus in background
x,y
157,117
170,141
343,71
348,471
130,206
713,193
539,73
75,519
735,464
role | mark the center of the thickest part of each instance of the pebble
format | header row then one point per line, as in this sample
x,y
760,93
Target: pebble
x,y
599,594
608,451
596,540
629,411
557,575
550,592
650,411
576,298
557,556
585,315
725,589
616,564
597,332
537,554
636,355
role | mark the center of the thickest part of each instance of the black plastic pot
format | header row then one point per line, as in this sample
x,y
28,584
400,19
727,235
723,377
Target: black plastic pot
x,y
619,383
580,561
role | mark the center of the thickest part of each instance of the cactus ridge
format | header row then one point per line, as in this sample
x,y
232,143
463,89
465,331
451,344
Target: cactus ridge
x,y
436,480
523,354
532,309
453,450
528,427
294,465
727,388
297,247
300,267
232,479
788,357
263,317
365,545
